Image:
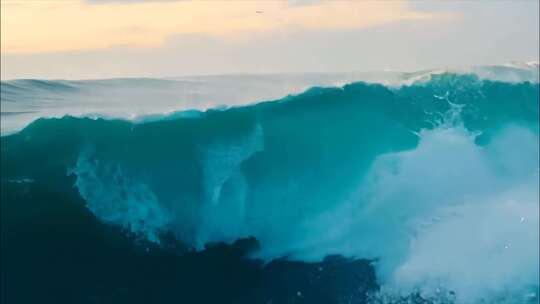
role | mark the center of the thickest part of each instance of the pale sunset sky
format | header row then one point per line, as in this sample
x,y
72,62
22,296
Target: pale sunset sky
x,y
81,39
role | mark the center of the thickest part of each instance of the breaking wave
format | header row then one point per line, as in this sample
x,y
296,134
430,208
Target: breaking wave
x,y
436,182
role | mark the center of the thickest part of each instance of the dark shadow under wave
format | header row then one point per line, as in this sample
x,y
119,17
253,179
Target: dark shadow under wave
x,y
55,251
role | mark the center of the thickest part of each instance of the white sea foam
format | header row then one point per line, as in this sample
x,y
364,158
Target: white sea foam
x,y
448,215
116,198
223,217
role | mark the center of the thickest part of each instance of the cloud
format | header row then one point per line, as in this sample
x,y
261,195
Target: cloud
x,y
71,26
291,2
126,1
405,45
409,44
303,2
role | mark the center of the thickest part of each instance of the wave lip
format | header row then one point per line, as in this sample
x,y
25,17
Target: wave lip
x,y
138,98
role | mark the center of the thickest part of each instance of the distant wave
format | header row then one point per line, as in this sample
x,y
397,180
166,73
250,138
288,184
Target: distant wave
x,y
137,98
435,181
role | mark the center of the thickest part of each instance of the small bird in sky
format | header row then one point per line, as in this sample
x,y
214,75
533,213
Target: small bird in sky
x,y
259,12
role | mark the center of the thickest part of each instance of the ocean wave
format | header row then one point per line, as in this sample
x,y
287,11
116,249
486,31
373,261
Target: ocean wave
x,y
139,99
435,182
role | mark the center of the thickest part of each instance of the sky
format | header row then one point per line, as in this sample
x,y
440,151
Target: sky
x,y
88,39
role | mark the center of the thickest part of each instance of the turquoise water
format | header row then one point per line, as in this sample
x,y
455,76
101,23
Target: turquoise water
x,y
435,183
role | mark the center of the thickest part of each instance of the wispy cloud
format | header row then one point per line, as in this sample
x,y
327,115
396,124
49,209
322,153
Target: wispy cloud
x,y
54,26
126,1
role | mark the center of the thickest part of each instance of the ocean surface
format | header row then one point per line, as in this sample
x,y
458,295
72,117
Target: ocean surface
x,y
381,187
